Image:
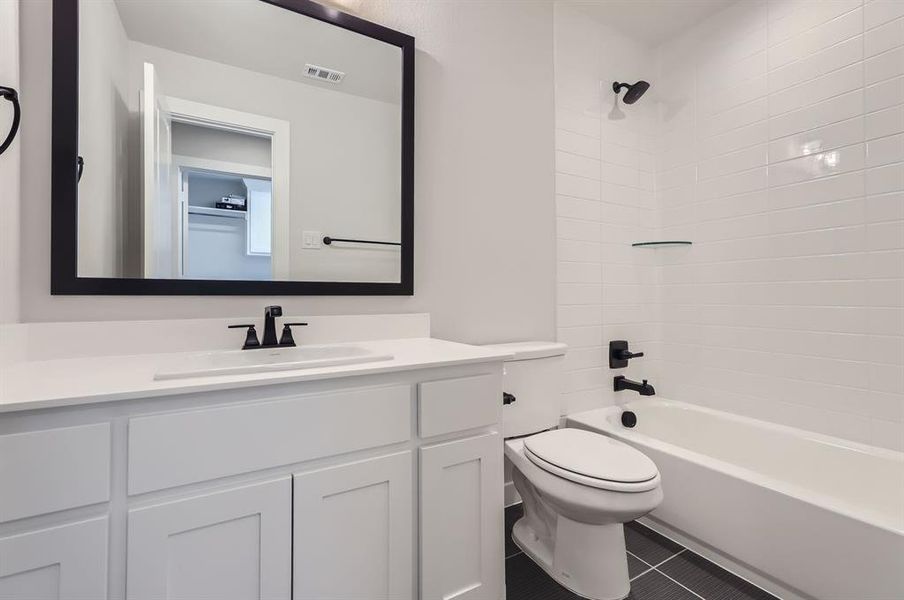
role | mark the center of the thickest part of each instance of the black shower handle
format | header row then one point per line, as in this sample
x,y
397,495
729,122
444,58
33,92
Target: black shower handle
x,y
79,168
13,96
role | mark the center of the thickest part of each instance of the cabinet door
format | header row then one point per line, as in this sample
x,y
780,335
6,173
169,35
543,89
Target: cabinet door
x,y
353,531
462,520
66,562
226,545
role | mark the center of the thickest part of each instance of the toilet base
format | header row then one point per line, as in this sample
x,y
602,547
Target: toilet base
x,y
588,560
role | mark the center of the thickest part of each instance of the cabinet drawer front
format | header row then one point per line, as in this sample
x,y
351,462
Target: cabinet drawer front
x,y
450,405
178,448
54,469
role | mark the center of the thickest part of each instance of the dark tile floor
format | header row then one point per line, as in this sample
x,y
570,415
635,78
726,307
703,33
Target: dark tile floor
x,y
660,569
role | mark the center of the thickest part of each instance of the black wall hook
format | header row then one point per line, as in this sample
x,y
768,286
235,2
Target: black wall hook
x,y
13,96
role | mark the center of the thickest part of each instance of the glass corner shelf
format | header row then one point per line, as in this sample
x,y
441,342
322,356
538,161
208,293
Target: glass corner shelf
x,y
661,243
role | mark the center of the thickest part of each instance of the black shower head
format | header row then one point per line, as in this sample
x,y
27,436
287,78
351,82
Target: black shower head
x,y
634,91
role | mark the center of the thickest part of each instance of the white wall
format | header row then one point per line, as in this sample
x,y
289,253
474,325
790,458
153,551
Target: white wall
x,y
781,158
103,140
604,201
484,227
9,167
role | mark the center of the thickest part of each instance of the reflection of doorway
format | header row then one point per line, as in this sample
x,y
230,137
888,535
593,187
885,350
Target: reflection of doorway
x,y
165,220
224,243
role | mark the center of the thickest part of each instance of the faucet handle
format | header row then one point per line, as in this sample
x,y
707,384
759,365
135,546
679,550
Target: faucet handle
x,y
619,355
251,340
286,338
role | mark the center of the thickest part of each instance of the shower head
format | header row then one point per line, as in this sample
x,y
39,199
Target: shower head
x,y
634,92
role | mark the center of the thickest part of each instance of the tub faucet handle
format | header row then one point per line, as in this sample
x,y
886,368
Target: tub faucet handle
x,y
619,355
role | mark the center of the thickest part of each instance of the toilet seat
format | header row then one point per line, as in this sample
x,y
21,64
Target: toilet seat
x,y
592,459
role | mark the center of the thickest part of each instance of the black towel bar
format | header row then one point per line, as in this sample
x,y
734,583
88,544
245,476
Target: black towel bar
x,y
329,240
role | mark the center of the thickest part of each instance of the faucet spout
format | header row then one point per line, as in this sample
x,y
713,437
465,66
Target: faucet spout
x,y
623,383
270,314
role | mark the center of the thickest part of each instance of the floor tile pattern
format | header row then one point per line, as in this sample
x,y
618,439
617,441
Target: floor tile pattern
x,y
660,569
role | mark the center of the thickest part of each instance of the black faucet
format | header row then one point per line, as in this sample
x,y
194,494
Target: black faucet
x,y
269,341
270,314
623,383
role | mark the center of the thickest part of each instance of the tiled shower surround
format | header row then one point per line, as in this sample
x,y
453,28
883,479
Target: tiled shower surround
x,y
773,138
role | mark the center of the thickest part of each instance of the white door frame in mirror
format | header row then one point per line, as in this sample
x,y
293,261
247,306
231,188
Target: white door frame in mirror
x,y
277,130
158,209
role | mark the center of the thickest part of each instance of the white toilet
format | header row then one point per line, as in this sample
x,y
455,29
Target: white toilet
x,y
577,487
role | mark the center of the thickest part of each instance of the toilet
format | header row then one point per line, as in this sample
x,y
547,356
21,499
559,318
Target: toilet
x,y
578,488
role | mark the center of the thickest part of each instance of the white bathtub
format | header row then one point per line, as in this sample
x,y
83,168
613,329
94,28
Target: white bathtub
x,y
802,514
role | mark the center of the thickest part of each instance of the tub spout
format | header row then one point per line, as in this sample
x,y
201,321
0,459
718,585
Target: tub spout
x,y
623,383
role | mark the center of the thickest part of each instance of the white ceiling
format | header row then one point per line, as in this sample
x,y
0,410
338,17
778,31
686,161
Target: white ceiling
x,y
650,21
267,39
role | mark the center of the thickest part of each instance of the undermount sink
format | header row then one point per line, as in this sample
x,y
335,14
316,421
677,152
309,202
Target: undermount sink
x,y
238,362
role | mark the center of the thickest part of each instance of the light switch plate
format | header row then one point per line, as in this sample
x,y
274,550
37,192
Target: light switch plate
x,y
311,239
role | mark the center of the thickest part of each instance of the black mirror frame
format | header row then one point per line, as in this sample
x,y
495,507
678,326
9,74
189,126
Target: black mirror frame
x,y
64,279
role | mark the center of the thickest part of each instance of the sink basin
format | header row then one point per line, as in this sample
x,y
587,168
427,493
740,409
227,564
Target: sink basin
x,y
238,362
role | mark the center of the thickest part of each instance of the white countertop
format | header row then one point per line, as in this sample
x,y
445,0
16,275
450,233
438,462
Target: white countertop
x,y
37,384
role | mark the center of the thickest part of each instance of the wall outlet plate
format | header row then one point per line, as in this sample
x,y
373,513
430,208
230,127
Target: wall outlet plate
x,y
312,240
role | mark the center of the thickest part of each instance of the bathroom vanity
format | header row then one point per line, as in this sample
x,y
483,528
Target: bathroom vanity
x,y
376,480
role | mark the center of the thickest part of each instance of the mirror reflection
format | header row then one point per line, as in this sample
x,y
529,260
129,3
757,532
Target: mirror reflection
x,y
227,140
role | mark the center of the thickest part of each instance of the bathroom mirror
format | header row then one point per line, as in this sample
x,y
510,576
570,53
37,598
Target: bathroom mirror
x,y
240,147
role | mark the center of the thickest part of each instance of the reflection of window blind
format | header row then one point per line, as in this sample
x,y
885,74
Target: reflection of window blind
x,y
259,217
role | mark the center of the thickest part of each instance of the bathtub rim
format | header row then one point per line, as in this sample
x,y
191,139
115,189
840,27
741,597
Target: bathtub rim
x,y
785,488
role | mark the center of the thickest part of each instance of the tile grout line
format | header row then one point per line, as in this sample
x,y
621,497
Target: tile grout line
x,y
652,567
670,558
679,583
645,563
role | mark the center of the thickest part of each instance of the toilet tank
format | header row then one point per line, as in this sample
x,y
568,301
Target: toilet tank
x,y
534,376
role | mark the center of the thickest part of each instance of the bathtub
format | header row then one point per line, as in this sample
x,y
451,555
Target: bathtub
x,y
801,514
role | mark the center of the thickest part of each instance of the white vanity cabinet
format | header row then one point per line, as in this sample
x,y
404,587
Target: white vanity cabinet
x,y
385,485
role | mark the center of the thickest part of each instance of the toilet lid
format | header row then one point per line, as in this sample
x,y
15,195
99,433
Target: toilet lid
x,y
591,455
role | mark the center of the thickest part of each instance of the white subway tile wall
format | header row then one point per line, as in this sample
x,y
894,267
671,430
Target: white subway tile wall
x,y
605,199
788,150
773,138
